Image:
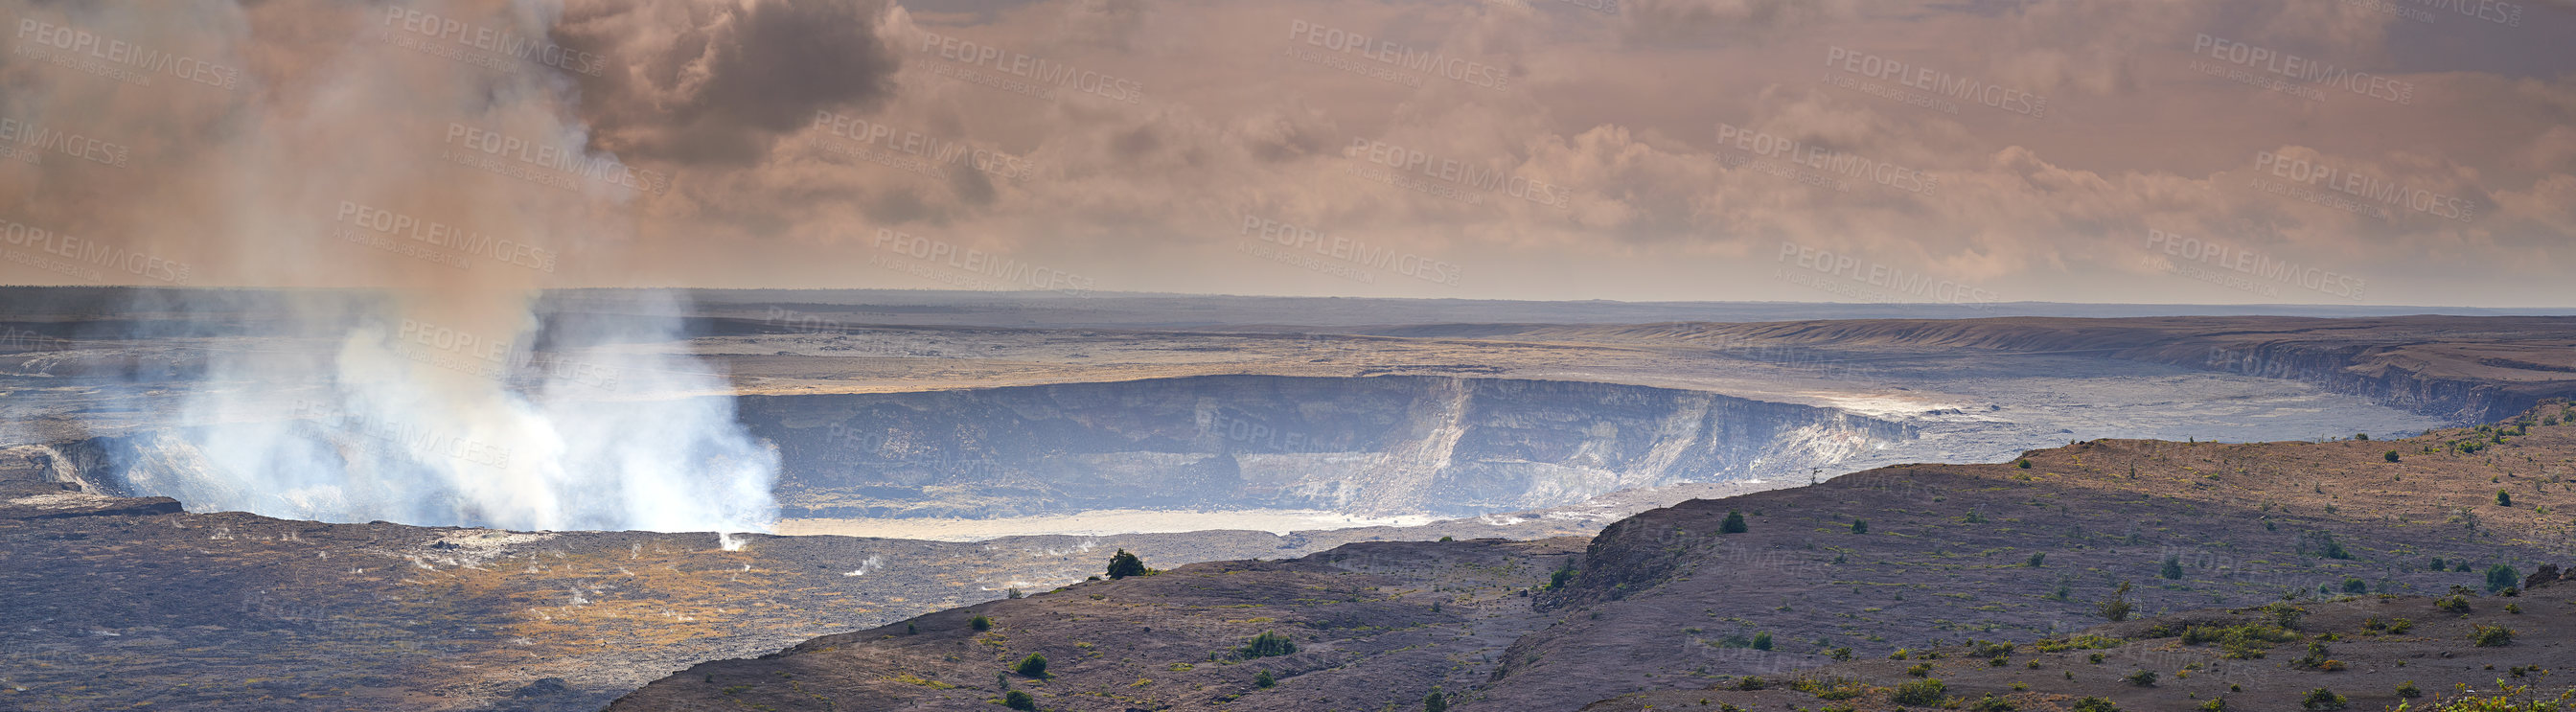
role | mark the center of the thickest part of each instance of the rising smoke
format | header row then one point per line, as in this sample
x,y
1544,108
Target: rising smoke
x,y
437,166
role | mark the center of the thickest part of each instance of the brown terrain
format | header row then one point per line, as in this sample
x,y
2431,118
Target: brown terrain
x,y
116,602
1663,600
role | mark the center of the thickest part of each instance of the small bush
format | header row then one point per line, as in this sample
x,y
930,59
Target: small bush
x,y
2455,604
1267,644
2354,585
2037,560
2023,463
1860,526
2401,625
2408,690
2215,704
1263,679
1750,683
1123,565
1435,702
1920,693
1018,700
2391,455
980,623
1920,670
2095,704
1762,641
1734,524
1991,703
2173,567
2117,608
2504,498
2491,636
2501,577
1032,666
2142,678
2323,699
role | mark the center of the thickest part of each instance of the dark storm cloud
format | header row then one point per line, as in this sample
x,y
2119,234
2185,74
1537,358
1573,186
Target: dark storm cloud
x,y
715,82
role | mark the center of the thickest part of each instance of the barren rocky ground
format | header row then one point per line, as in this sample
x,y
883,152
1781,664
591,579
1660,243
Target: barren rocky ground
x,y
1669,600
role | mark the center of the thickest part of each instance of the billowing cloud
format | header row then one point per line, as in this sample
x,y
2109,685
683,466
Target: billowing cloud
x,y
2039,150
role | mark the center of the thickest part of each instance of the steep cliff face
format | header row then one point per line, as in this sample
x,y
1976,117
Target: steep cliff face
x,y
1385,445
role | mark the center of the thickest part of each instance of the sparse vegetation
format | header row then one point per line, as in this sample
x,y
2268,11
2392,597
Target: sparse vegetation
x,y
2501,577
1123,565
2323,699
1734,524
2116,608
1268,644
2491,636
1919,693
2141,678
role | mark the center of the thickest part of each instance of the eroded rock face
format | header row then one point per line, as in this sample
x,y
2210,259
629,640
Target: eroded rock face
x,y
1385,445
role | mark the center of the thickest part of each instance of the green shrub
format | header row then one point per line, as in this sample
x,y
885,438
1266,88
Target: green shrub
x,y
2036,560
1860,526
1920,670
1263,679
1734,524
1267,644
2491,636
2117,608
2094,704
2173,566
2355,585
1991,703
1123,565
2023,463
2401,625
2504,498
2391,455
980,623
1920,693
2142,678
2323,699
1563,574
2408,690
2215,704
1435,702
1032,666
1018,700
1762,641
2501,577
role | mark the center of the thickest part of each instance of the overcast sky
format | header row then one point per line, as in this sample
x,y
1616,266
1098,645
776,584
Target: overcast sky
x,y
2194,151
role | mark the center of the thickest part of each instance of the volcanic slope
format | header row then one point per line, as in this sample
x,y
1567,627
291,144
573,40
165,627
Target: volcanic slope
x,y
1911,556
